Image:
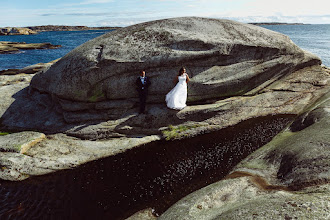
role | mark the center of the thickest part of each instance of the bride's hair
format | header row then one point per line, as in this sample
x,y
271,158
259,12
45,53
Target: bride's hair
x,y
181,71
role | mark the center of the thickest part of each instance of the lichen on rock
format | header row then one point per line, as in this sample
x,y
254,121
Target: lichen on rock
x,y
287,178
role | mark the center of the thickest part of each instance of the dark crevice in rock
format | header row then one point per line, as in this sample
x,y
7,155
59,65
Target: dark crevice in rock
x,y
99,56
306,120
301,123
286,165
297,186
190,45
154,175
283,90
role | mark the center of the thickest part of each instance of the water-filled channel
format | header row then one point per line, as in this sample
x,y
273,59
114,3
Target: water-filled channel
x,y
154,175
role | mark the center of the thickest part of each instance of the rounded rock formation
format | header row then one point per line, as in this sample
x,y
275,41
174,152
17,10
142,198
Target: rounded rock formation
x,y
224,58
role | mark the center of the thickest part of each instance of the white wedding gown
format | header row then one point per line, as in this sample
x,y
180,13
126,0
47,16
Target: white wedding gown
x,y
177,97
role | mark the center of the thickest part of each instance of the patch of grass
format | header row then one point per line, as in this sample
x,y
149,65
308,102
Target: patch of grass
x,y
17,147
98,94
174,132
3,133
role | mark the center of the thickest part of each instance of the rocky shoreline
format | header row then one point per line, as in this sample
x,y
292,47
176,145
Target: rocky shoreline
x,y
84,107
16,31
37,29
14,47
67,28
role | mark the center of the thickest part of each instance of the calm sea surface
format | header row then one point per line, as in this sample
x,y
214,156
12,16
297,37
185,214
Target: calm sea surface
x,y
68,39
314,38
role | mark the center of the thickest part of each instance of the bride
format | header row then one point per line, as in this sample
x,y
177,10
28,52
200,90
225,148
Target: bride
x,y
177,97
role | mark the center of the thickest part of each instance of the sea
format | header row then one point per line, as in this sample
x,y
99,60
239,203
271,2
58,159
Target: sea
x,y
314,38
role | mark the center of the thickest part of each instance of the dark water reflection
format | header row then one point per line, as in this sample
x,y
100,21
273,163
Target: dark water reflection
x,y
155,175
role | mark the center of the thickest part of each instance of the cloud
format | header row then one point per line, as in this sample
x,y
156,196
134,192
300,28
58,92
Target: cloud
x,y
88,2
77,14
127,12
287,8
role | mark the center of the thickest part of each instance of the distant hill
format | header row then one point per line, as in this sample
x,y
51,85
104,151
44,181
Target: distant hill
x,y
276,23
66,28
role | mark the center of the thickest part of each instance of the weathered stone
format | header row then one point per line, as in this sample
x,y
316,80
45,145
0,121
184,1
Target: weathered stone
x,y
58,152
20,142
241,198
114,123
16,31
144,214
287,178
32,69
223,58
14,79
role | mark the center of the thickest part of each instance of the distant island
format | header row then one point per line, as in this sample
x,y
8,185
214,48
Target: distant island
x,y
36,29
276,23
14,47
67,28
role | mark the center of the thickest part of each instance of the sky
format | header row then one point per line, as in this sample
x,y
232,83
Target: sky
x,y
120,13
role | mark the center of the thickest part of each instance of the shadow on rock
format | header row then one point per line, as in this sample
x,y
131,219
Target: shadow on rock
x,y
32,110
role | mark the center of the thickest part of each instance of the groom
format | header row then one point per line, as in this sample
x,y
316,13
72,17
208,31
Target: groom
x,y
142,84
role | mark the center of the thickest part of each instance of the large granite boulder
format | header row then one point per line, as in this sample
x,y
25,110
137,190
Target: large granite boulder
x,y
224,58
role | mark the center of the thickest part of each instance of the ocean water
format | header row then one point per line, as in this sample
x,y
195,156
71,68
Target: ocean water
x,y
313,38
68,39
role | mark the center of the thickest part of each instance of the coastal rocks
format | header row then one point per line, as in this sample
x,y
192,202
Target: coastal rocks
x,y
57,152
32,69
37,29
287,178
242,199
13,47
20,142
16,31
66,28
110,116
224,58
14,76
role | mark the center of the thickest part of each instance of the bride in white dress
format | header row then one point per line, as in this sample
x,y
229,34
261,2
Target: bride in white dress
x,y
177,97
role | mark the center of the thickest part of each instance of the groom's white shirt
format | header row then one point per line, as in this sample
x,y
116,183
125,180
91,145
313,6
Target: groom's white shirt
x,y
142,80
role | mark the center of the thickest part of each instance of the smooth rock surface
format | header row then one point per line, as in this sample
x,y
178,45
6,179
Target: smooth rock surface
x,y
20,142
224,58
287,178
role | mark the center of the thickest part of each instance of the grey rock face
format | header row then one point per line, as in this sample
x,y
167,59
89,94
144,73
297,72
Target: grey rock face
x,y
108,119
223,58
287,178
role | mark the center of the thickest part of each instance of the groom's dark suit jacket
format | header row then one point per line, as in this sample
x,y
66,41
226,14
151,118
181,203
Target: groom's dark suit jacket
x,y
142,87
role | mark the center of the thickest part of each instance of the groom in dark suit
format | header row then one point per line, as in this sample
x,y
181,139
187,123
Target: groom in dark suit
x,y
142,84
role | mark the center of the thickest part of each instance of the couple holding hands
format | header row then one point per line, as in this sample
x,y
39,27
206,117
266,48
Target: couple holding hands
x,y
175,99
